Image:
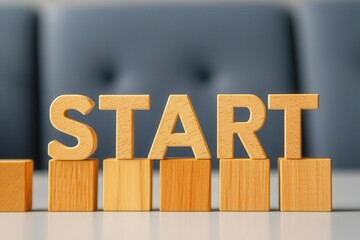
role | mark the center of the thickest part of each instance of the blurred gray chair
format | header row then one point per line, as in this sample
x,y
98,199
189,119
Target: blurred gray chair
x,y
329,53
160,50
18,84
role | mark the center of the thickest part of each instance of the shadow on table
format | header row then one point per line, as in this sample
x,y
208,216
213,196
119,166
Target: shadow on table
x,y
346,210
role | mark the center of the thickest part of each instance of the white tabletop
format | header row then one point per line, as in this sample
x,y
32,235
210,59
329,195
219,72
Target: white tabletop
x,y
342,223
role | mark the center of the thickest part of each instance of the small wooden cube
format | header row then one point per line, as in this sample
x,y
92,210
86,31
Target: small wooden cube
x,y
73,185
16,185
127,185
305,184
185,185
244,185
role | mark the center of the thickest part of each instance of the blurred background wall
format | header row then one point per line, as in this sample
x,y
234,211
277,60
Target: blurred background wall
x,y
200,48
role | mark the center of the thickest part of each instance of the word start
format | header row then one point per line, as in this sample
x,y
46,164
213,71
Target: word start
x,y
180,107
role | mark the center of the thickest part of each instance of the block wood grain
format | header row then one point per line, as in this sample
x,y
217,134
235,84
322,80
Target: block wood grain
x,y
73,185
185,185
127,185
244,185
16,185
305,184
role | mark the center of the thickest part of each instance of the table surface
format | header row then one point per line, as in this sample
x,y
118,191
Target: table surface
x,y
342,223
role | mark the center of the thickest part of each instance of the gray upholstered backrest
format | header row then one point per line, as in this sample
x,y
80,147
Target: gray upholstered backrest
x,y
329,50
18,83
159,50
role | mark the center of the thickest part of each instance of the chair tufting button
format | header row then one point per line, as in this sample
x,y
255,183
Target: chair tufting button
x,y
202,74
107,75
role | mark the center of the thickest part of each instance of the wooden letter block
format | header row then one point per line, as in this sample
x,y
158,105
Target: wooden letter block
x,y
185,185
179,107
125,105
73,185
305,184
16,185
86,136
293,104
244,185
227,127
127,185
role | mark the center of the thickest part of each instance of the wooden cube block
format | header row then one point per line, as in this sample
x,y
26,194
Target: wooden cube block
x,y
185,185
305,184
244,185
127,185
16,185
73,185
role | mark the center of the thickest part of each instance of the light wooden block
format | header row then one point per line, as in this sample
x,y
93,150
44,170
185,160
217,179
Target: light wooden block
x,y
305,184
244,185
16,185
127,185
185,185
73,185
